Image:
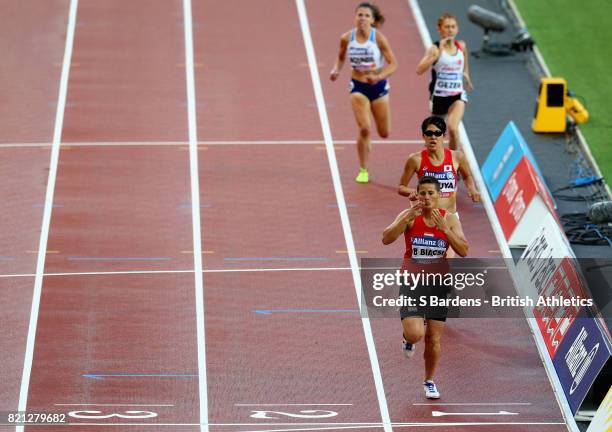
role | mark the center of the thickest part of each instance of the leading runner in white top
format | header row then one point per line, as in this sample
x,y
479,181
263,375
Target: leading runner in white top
x,y
372,62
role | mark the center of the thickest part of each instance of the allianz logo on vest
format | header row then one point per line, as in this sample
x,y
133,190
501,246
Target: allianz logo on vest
x,y
446,175
434,242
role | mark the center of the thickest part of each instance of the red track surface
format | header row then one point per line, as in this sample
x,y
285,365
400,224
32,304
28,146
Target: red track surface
x,y
30,73
272,206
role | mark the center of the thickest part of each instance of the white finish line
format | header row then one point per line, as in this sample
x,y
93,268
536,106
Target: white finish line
x,y
326,425
472,404
200,143
294,404
131,272
119,405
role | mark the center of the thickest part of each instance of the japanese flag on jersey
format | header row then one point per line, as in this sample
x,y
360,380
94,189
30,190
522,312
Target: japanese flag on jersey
x,y
446,178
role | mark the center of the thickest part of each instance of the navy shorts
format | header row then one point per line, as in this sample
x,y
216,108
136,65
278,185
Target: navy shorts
x,y
371,91
441,104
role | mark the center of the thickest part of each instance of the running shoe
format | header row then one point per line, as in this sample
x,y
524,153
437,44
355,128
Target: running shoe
x,y
363,176
408,348
431,391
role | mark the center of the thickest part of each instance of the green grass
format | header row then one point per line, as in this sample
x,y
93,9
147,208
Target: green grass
x,y
575,38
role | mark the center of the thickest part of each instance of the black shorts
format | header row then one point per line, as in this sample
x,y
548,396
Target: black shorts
x,y
441,104
438,313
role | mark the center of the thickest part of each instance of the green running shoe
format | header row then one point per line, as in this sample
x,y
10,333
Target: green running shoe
x,y
363,176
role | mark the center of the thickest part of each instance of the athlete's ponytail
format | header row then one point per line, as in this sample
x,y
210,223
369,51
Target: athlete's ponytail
x,y
379,18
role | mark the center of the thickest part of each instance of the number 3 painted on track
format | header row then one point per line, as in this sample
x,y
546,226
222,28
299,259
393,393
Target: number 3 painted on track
x,y
127,415
304,414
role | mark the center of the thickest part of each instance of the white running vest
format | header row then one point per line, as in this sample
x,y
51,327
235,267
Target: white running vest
x,y
364,56
449,74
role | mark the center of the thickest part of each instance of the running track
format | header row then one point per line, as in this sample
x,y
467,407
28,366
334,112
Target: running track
x,y
119,295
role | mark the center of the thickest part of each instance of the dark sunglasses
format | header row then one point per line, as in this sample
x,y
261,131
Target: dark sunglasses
x,y
431,133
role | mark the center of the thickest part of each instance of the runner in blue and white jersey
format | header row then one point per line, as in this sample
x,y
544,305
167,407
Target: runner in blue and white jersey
x,y
372,62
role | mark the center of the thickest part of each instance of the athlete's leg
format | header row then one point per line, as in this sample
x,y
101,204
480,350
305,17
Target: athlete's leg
x,y
361,110
414,329
433,335
455,115
382,115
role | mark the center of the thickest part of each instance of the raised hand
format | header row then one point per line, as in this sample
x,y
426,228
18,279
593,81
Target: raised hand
x,y
413,212
439,220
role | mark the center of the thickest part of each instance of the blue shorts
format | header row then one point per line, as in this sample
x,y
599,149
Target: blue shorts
x,y
371,91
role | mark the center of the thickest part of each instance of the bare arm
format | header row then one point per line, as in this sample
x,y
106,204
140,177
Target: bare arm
x,y
466,175
466,68
430,57
340,58
403,221
450,225
390,60
412,164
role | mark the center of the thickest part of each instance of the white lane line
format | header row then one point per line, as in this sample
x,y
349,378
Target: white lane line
x,y
501,240
46,221
472,404
293,404
324,426
277,269
396,425
127,272
202,143
131,272
128,405
346,227
24,145
195,215
478,414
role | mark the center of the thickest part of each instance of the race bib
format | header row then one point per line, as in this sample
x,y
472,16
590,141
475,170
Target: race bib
x,y
428,247
362,59
448,83
447,180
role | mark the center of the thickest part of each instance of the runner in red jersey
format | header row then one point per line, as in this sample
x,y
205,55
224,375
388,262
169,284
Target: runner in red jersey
x,y
429,232
441,163
438,162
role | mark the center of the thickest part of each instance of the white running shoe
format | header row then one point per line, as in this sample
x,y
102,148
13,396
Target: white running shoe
x,y
408,348
431,391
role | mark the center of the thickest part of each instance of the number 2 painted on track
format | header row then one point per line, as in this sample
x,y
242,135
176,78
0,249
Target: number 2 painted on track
x,y
99,415
303,414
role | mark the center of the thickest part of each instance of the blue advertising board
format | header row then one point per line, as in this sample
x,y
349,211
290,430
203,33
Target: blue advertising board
x,y
503,158
582,354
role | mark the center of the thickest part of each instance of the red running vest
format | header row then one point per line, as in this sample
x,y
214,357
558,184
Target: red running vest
x,y
424,242
445,173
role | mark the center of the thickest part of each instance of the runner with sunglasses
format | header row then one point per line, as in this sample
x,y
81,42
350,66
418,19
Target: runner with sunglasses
x,y
440,163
